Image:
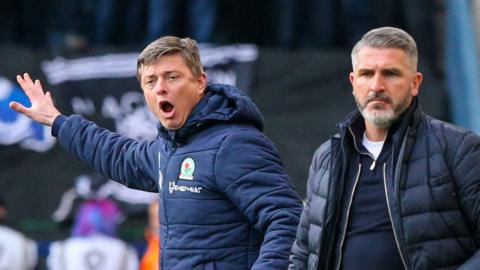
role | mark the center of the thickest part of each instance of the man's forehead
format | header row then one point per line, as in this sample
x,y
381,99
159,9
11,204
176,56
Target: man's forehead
x,y
369,57
162,67
384,51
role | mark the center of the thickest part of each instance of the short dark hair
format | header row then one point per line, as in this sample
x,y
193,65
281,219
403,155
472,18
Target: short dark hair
x,y
169,45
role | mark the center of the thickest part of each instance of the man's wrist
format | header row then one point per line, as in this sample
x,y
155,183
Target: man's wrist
x,y
57,124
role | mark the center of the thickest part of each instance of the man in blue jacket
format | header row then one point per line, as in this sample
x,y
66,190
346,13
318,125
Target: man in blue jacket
x,y
226,201
396,188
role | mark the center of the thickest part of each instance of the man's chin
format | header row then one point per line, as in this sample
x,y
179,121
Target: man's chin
x,y
168,124
379,118
171,125
378,106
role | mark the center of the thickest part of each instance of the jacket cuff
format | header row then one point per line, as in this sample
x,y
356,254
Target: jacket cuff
x,y
57,124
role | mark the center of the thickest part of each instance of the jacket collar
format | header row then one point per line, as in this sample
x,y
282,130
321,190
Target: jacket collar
x,y
409,119
221,103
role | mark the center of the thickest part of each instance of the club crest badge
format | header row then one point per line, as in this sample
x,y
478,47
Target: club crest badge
x,y
187,169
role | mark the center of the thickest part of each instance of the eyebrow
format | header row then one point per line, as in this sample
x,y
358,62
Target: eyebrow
x,y
146,75
149,76
170,72
392,70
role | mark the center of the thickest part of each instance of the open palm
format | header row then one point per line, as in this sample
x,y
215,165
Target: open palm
x,y
42,110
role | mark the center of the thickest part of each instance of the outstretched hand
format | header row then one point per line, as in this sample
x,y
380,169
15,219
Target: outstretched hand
x,y
42,110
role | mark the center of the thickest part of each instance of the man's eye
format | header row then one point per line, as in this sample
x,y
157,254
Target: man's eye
x,y
391,73
366,74
149,83
172,77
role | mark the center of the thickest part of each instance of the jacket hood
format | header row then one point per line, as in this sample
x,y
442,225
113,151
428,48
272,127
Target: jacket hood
x,y
221,103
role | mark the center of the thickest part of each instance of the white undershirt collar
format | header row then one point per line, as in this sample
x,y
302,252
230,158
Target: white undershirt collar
x,y
373,147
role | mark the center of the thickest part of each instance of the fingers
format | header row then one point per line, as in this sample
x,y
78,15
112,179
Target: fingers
x,y
32,89
48,94
20,80
18,107
42,109
25,82
38,84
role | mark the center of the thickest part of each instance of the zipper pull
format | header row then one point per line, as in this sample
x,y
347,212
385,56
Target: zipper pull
x,y
373,165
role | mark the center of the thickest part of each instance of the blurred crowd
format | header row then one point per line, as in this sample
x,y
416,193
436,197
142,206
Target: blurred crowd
x,y
60,25
92,215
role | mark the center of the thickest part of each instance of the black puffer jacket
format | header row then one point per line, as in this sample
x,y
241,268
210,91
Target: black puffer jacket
x,y
433,190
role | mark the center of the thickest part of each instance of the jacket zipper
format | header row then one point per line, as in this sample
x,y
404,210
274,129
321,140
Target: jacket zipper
x,y
390,214
173,150
372,166
348,214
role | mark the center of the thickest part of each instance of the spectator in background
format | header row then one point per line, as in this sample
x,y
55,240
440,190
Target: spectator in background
x,y
340,23
150,257
76,25
193,18
68,25
118,22
93,244
416,17
17,252
286,17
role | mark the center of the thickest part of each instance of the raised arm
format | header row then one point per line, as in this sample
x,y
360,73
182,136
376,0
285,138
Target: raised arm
x,y
127,161
42,110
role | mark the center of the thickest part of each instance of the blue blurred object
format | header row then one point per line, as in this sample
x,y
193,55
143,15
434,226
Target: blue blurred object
x,y
462,65
16,128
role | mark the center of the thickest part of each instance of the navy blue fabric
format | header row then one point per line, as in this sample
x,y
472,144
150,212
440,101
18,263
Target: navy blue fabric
x,y
369,239
239,209
57,123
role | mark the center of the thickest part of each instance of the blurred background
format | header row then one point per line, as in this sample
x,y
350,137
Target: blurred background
x,y
291,56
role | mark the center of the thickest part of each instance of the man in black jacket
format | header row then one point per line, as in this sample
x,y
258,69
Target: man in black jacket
x,y
395,188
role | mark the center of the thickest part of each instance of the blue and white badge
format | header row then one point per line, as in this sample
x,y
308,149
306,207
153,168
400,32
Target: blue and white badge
x,y
187,169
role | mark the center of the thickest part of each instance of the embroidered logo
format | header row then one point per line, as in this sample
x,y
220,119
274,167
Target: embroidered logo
x,y
172,186
187,169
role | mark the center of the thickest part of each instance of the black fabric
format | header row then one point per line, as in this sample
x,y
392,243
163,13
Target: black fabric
x,y
432,193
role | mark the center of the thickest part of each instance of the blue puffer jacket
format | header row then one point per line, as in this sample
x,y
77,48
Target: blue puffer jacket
x,y
226,201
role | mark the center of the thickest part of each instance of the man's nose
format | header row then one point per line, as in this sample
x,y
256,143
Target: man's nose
x,y
377,83
160,87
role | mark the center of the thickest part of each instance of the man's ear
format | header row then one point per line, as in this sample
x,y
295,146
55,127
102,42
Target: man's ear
x,y
417,81
351,77
202,82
